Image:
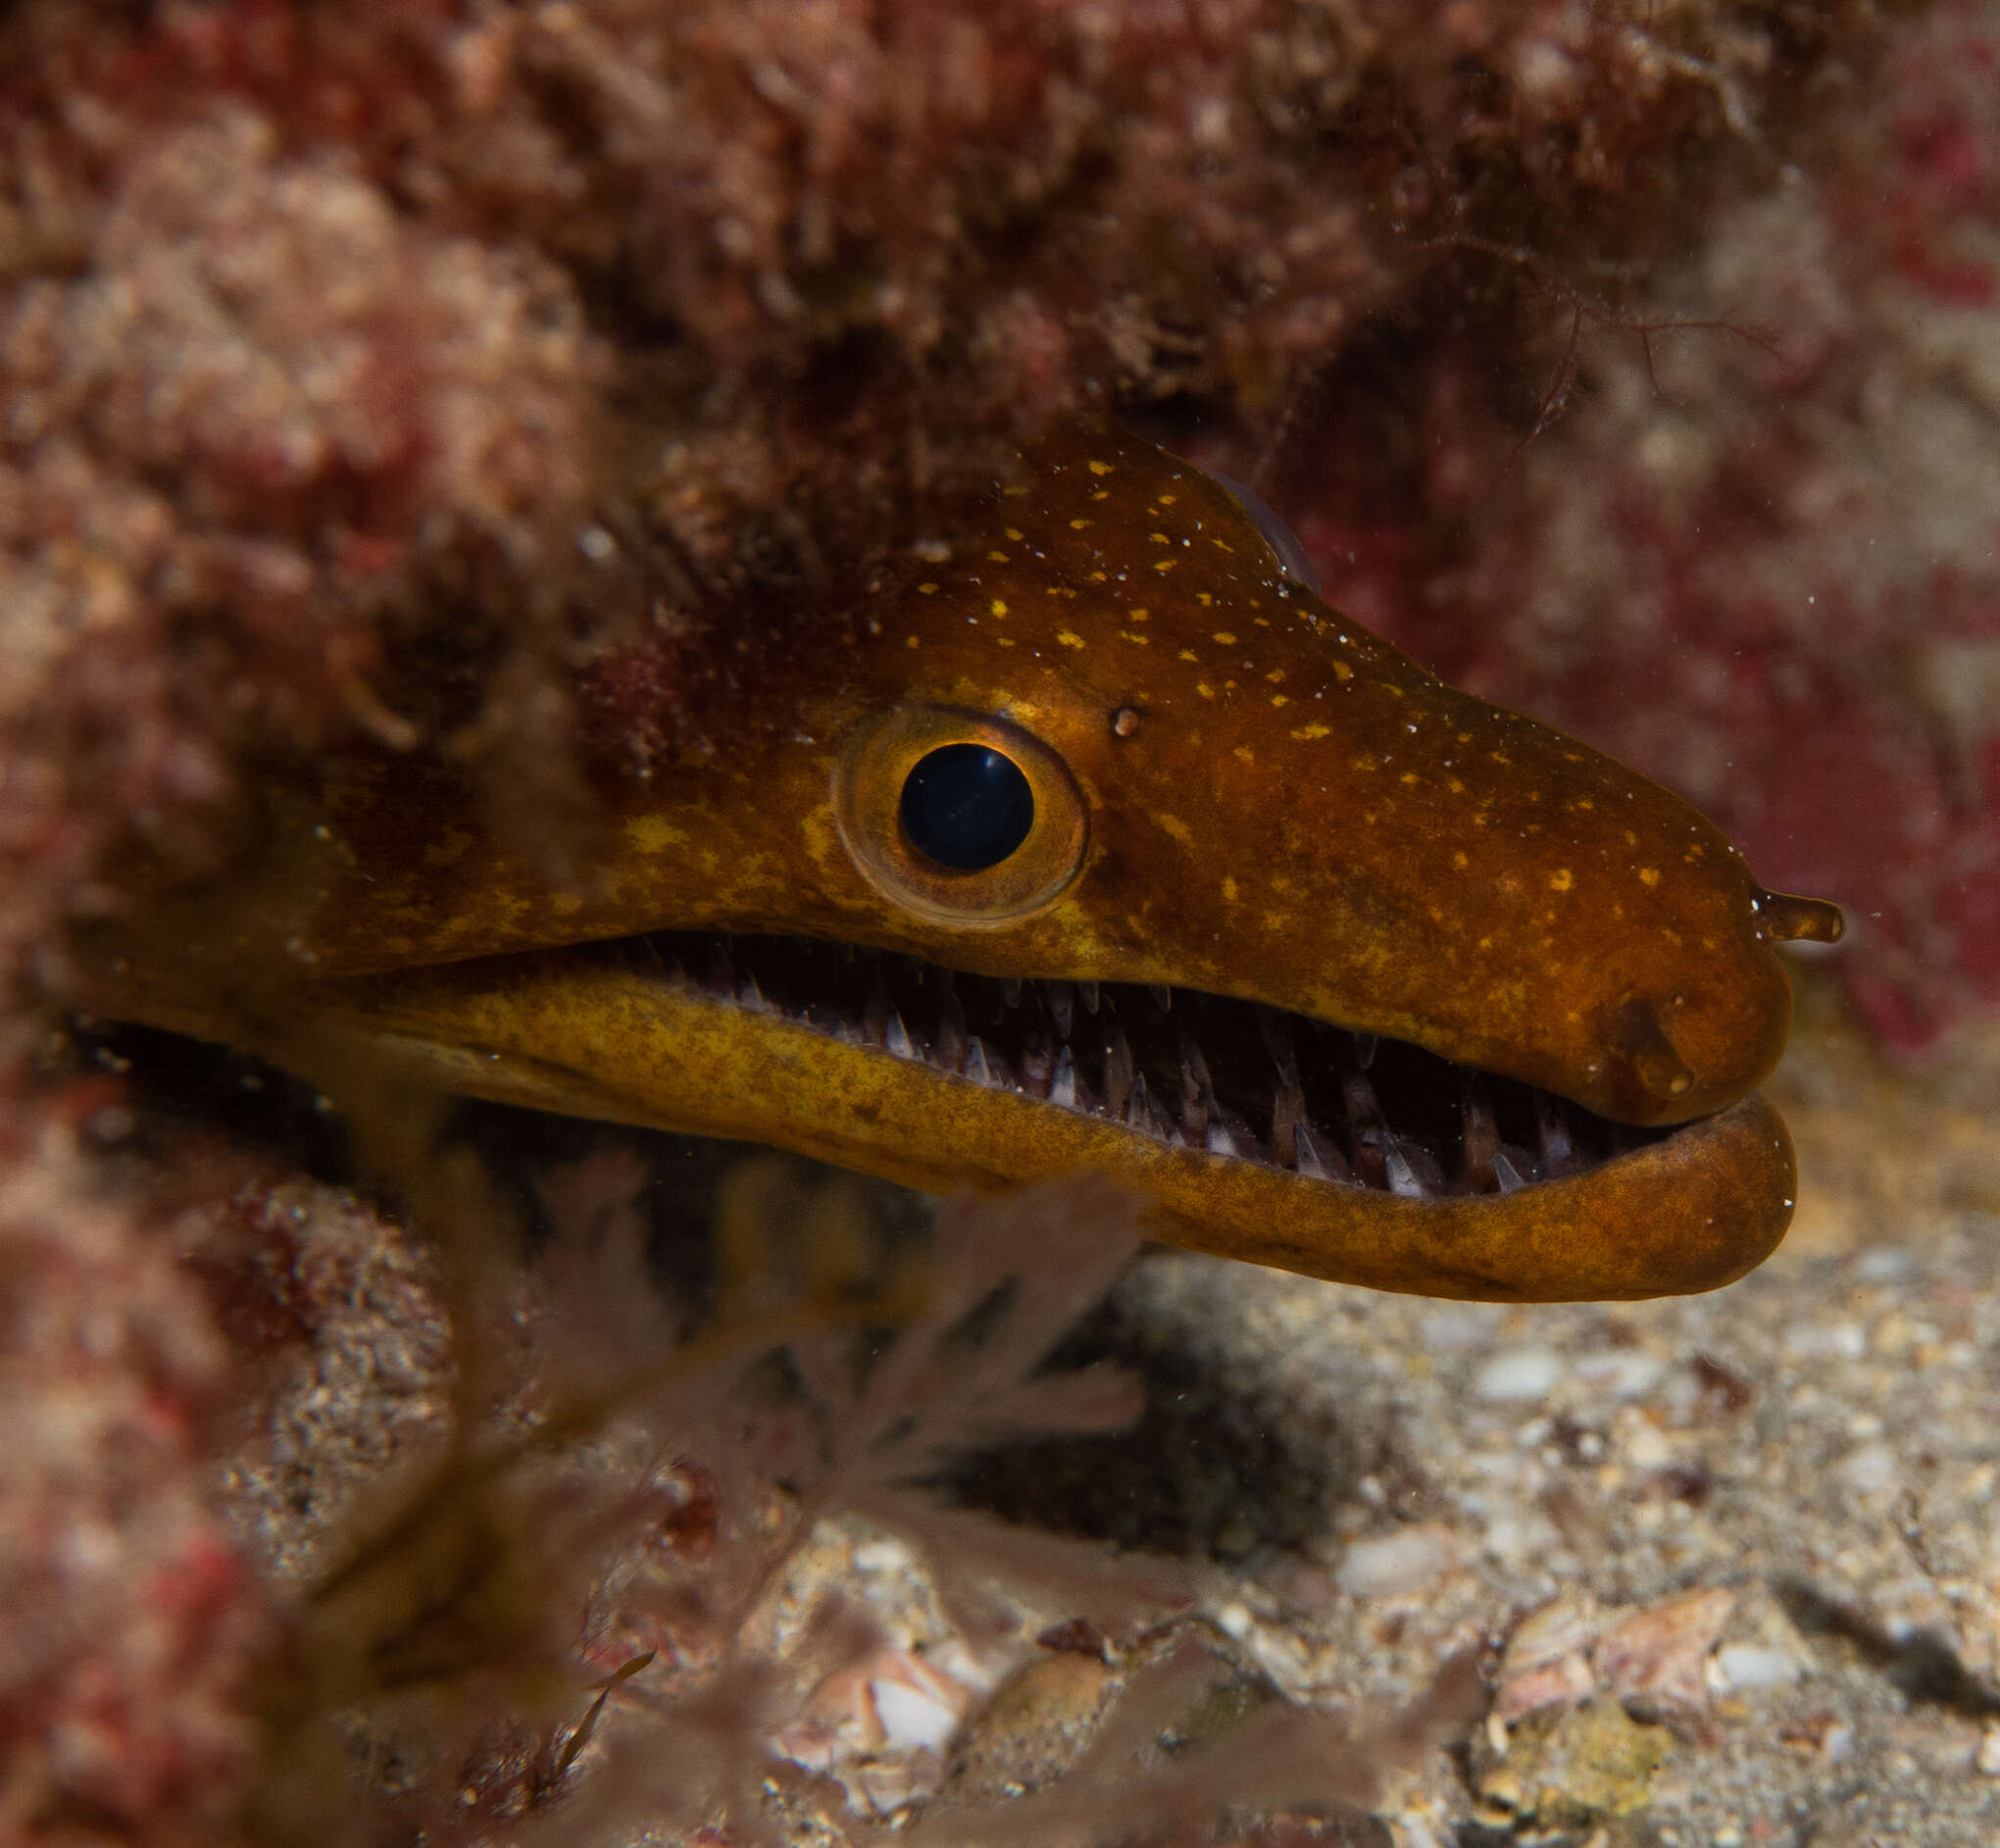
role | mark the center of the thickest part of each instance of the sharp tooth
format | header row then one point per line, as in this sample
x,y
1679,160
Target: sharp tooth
x,y
951,1029
1288,1113
751,997
1319,1159
1162,995
1367,1127
1219,1140
1118,1067
1363,1050
1036,1067
1401,1177
1506,1173
897,1038
1062,1008
1139,1113
1558,1151
1063,1085
1479,1134
1197,1093
1087,992
976,1067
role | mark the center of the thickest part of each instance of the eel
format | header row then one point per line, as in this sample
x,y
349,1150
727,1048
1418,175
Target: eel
x,y
1090,837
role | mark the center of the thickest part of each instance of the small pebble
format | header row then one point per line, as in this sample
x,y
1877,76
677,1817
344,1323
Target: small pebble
x,y
1398,1562
911,1719
1743,1667
1870,1469
1522,1373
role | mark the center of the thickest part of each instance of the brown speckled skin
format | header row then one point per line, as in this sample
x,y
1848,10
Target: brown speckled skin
x,y
1300,816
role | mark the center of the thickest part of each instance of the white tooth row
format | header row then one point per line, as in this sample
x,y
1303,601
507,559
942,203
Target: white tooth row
x,y
1204,1123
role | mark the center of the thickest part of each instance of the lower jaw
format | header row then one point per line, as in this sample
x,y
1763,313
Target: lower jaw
x,y
579,1035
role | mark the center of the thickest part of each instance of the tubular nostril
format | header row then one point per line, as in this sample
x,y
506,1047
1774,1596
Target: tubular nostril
x,y
1784,919
1661,1070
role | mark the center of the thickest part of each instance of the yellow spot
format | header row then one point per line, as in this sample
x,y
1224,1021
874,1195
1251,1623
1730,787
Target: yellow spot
x,y
1245,753
1097,577
1078,526
1500,757
998,558
1631,839
1342,672
1165,563
1014,493
1691,855
1205,598
1306,733
1165,500
653,833
1559,880
1278,922
1464,737
1453,786
926,590
1407,777
1485,943
1364,762
1069,638
1137,616
1274,675
1102,494
1100,467
1396,690
1649,875
1015,534
1262,622
1221,546
1188,654
1280,699
998,606
911,641
1583,802
1458,863
1224,636
1142,640
1204,689
1174,825
1159,539
1005,642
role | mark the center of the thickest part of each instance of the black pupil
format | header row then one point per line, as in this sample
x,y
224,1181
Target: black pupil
x,y
966,807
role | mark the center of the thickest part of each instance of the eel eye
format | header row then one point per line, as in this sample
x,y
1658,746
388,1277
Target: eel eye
x,y
967,806
961,816
1282,540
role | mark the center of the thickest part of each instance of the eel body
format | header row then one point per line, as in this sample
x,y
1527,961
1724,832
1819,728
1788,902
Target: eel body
x,y
1089,837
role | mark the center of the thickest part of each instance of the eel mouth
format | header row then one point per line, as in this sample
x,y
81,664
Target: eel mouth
x,y
1185,1069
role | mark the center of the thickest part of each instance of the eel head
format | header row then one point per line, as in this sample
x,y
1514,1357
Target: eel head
x,y
1093,838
